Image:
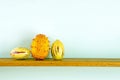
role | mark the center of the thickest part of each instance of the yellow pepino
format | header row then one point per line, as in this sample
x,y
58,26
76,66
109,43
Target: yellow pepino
x,y
20,53
57,50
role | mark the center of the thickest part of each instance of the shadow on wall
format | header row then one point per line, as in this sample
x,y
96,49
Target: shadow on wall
x,y
21,40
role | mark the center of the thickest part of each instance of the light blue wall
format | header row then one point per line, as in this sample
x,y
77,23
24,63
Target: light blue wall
x,y
88,28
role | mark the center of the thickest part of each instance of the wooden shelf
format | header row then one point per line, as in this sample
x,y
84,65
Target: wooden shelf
x,y
97,62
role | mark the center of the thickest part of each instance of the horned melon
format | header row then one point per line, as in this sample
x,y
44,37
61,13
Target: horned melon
x,y
40,47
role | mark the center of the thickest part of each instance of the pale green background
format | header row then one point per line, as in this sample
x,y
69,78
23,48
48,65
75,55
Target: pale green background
x,y
88,28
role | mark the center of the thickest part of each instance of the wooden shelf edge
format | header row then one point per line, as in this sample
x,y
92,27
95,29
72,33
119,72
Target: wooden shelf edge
x,y
88,62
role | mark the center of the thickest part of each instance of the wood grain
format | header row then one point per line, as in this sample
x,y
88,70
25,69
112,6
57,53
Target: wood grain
x,y
93,62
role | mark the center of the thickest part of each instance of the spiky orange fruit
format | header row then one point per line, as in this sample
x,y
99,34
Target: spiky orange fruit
x,y
40,47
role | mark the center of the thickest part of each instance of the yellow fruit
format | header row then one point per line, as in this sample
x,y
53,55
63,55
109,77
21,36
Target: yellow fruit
x,y
20,53
57,50
40,47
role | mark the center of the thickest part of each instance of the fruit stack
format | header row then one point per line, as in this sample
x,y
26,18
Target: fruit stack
x,y
40,48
